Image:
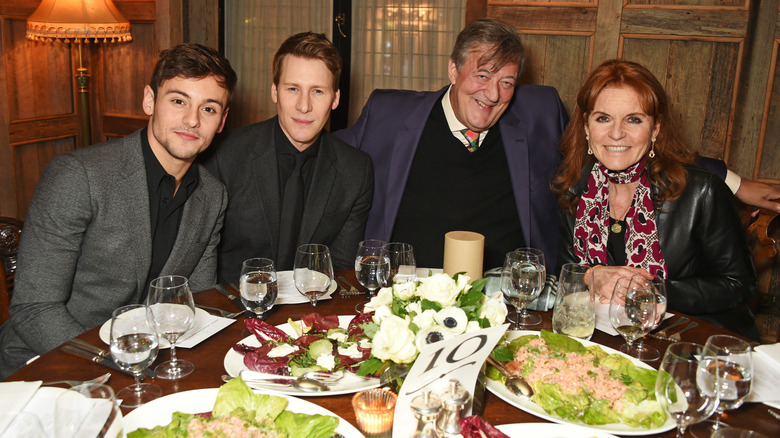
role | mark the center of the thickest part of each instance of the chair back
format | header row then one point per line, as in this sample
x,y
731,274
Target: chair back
x,y
10,233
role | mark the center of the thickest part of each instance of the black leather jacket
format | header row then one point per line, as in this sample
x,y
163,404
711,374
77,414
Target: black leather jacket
x,y
711,273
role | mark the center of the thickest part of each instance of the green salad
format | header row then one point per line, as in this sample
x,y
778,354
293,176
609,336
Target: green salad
x,y
238,411
579,383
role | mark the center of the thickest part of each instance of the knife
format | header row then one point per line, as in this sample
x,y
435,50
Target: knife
x,y
237,301
83,345
665,331
68,349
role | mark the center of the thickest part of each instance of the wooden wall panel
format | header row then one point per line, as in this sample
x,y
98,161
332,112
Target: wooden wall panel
x,y
769,167
31,159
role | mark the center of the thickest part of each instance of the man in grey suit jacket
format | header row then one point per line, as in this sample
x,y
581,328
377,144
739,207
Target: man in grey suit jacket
x,y
257,163
107,219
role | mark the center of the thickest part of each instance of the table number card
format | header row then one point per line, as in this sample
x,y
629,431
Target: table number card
x,y
458,358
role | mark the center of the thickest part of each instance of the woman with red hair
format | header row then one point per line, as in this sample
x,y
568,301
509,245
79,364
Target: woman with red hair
x,y
633,203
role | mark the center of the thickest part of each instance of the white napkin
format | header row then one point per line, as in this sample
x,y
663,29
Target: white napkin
x,y
602,319
205,326
288,293
14,396
766,375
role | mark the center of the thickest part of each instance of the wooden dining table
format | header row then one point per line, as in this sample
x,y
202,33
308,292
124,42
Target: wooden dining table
x,y
208,357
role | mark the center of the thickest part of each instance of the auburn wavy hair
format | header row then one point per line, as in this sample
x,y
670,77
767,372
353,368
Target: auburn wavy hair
x,y
665,170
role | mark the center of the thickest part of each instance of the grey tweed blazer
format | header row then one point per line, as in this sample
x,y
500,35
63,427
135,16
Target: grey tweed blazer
x,y
86,246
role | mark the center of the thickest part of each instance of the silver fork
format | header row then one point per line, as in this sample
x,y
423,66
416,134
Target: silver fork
x,y
676,337
100,379
350,290
222,313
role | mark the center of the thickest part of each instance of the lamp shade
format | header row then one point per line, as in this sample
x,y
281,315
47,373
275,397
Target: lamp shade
x,y
78,20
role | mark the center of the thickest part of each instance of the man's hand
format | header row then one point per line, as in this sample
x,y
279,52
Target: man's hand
x,y
759,194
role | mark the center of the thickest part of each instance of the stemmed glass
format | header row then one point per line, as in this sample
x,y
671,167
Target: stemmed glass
x,y
632,311
372,267
403,267
134,344
522,280
87,410
735,370
657,286
258,285
684,386
313,271
170,301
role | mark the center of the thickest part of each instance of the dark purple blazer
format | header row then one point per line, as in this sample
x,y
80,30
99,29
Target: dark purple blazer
x,y
392,123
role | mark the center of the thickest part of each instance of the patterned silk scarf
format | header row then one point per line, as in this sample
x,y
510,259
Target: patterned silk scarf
x,y
591,226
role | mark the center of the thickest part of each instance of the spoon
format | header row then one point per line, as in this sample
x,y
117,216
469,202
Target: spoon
x,y
514,383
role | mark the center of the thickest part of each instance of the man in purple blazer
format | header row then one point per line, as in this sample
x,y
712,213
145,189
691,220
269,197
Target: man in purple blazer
x,y
477,155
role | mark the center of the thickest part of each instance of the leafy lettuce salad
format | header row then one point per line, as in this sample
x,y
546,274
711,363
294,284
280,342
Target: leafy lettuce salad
x,y
261,414
579,383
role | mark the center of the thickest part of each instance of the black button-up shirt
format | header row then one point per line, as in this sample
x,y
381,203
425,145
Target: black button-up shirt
x,y
165,206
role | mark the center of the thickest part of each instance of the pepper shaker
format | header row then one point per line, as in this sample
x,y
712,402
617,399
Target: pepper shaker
x,y
426,407
454,400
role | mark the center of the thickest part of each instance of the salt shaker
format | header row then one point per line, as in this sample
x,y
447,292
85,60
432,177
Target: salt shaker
x,y
454,400
426,407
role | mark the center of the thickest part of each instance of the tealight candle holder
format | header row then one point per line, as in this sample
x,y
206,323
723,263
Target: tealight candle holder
x,y
374,410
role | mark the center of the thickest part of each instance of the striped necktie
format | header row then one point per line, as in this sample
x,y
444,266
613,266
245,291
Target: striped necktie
x,y
471,137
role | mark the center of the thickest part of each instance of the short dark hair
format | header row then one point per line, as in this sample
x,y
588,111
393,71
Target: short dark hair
x,y
502,40
309,45
193,61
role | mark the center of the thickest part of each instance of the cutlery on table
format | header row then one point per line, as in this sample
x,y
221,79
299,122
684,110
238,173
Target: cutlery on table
x,y
222,313
676,337
347,287
69,349
223,290
665,331
303,383
774,414
99,379
514,383
103,354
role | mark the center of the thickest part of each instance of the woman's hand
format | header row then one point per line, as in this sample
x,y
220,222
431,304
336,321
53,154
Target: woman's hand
x,y
602,279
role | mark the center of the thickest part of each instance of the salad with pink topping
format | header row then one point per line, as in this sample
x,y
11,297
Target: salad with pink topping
x,y
580,383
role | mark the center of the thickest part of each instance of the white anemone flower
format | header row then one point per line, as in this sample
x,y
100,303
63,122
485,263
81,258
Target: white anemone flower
x,y
453,319
434,333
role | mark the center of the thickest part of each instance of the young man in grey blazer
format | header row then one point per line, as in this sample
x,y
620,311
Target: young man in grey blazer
x,y
290,181
107,219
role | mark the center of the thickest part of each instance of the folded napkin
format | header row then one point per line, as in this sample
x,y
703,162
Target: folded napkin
x,y
205,326
14,396
766,375
288,293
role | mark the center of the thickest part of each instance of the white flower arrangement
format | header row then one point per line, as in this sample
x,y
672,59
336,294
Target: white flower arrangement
x,y
409,315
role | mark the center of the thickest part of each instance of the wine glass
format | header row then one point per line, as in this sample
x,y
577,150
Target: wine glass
x,y
735,370
684,387
403,268
657,286
134,344
170,301
87,410
574,313
522,280
258,285
313,271
632,311
372,267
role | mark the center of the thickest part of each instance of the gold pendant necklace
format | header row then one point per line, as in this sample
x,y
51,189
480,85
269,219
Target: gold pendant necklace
x,y
616,227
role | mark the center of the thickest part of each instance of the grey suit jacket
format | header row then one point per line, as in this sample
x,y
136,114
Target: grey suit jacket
x,y
86,246
335,210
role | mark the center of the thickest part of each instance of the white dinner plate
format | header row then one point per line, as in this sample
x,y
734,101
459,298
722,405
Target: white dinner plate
x,y
532,408
234,363
550,430
158,412
105,329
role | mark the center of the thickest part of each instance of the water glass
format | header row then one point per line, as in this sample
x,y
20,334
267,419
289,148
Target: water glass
x,y
574,313
522,280
403,267
657,286
372,266
258,286
313,271
173,309
87,410
631,313
134,343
